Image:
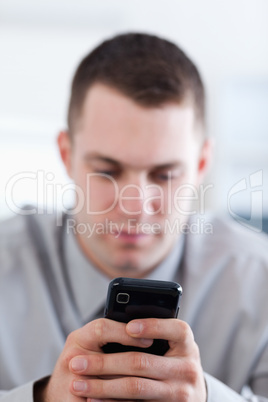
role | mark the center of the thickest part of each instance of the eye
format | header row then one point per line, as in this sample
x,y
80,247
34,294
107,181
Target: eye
x,y
167,174
162,176
108,172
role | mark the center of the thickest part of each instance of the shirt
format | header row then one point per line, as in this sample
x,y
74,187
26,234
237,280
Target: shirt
x,y
48,289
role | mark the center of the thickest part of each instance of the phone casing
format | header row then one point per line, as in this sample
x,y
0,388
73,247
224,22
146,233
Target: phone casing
x,y
129,299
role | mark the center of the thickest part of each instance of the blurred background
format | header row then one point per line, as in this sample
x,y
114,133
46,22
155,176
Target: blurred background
x,y
41,44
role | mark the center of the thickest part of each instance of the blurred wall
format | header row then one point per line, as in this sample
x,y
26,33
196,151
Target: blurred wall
x,y
42,42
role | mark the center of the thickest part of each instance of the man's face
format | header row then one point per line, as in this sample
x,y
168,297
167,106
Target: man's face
x,y
136,167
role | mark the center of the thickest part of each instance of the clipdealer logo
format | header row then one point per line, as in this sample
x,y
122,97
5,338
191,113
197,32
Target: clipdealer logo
x,y
254,185
151,199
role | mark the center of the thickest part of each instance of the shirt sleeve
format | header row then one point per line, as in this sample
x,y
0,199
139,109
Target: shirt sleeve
x,y
219,392
20,394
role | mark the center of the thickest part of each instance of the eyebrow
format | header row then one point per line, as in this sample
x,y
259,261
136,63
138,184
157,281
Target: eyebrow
x,y
102,158
98,157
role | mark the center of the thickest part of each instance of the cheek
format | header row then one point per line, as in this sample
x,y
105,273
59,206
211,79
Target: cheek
x,y
100,194
184,200
181,197
96,194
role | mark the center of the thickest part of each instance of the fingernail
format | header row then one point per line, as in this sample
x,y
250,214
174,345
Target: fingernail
x,y
79,385
135,327
146,342
79,364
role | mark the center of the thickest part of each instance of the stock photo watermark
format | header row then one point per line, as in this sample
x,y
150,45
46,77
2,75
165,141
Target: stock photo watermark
x,y
133,227
184,200
253,185
151,199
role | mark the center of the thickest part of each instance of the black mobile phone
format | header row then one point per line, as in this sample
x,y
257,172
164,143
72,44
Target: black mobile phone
x,y
129,299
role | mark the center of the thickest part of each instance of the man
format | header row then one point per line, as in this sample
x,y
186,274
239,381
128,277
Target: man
x,y
137,151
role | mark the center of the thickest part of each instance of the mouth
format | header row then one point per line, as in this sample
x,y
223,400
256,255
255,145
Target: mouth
x,y
133,237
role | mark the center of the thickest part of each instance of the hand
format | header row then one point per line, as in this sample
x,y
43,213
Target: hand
x,y
177,376
86,341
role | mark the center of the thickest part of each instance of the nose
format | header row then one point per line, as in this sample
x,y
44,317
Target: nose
x,y
138,197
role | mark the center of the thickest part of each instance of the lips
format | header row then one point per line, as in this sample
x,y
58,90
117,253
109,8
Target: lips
x,y
133,234
132,237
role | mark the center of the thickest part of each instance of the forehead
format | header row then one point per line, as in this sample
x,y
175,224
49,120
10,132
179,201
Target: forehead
x,y
114,125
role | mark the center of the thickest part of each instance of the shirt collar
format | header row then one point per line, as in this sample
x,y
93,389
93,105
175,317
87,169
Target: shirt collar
x,y
89,285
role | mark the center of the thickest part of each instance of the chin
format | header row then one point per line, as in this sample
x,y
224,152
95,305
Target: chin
x,y
130,268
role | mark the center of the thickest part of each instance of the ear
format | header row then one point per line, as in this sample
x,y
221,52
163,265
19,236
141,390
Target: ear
x,y
205,158
65,148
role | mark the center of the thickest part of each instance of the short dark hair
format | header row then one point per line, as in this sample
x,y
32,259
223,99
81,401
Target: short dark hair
x,y
148,69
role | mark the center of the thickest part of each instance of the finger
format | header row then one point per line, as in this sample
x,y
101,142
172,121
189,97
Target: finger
x,y
127,388
108,400
178,333
96,334
127,364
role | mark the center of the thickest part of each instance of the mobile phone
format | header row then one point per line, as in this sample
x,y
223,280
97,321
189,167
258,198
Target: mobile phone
x,y
129,299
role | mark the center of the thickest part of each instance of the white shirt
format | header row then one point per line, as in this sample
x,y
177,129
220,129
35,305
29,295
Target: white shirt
x,y
48,289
